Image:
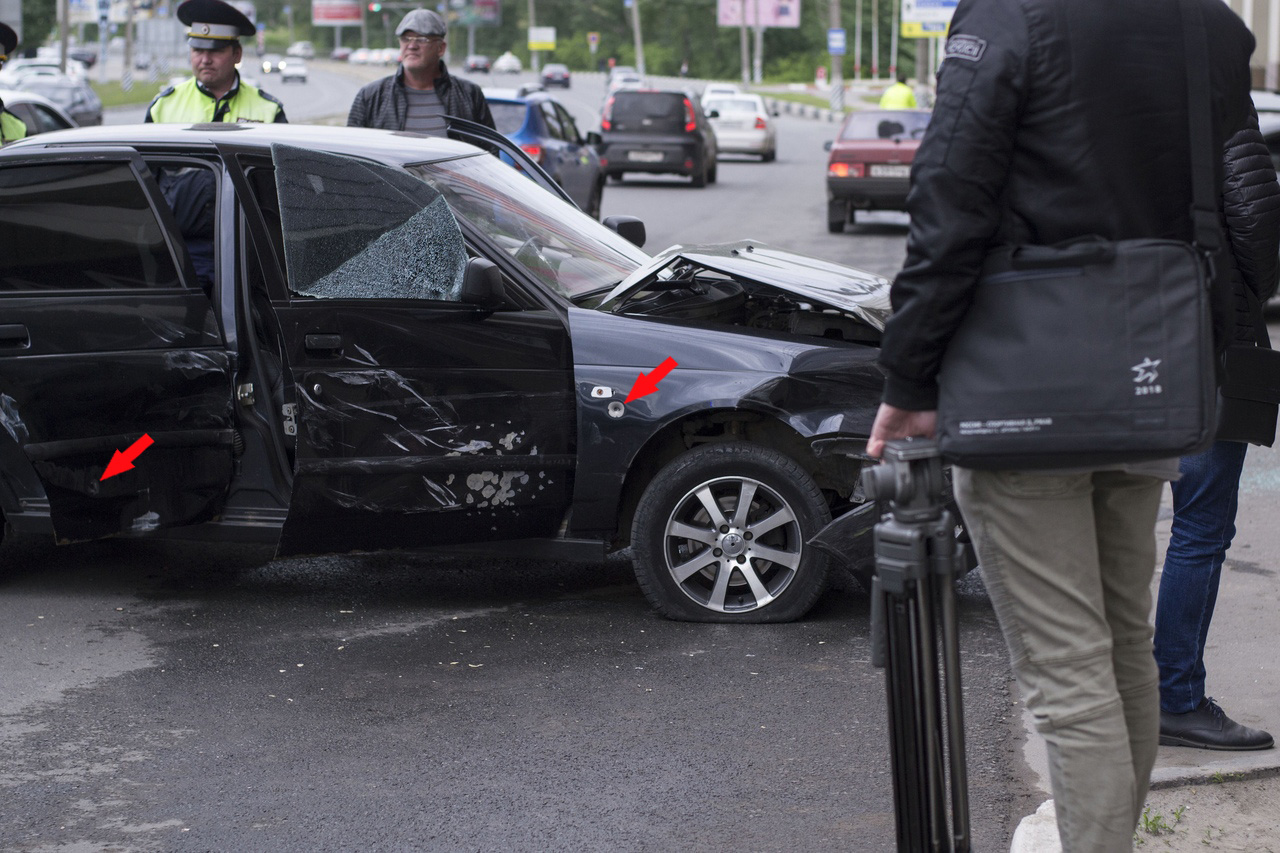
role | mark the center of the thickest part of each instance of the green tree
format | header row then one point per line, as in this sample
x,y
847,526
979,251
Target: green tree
x,y
38,20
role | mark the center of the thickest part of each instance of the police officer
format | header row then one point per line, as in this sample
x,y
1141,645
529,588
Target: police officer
x,y
11,127
216,93
898,96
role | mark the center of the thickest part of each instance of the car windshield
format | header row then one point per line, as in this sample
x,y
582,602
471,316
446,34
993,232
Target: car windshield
x,y
653,111
733,105
508,117
560,246
881,124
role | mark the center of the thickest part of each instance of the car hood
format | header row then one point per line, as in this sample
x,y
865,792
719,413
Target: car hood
x,y
862,294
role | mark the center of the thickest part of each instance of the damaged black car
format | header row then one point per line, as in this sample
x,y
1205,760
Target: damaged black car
x,y
337,340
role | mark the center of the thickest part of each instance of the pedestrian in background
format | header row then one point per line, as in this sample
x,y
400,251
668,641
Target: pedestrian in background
x,y
12,128
1205,496
422,91
1035,140
899,96
215,93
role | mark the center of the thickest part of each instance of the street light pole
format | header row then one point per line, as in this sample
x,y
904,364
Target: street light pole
x,y
635,25
533,54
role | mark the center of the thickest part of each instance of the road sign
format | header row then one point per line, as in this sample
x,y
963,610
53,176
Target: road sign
x,y
835,41
542,38
593,41
926,18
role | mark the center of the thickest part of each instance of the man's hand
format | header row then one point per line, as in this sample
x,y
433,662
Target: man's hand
x,y
892,422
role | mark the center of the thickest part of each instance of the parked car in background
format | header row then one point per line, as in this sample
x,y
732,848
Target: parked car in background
x,y
618,71
743,125
508,63
38,113
340,53
657,131
870,163
74,96
270,63
302,50
545,130
320,394
476,64
86,55
293,70
359,56
16,69
556,74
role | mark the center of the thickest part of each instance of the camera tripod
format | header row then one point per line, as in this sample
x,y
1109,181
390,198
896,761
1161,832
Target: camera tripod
x,y
913,617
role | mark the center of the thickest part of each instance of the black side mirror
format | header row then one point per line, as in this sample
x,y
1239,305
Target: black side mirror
x,y
482,284
713,114
826,146
628,228
594,138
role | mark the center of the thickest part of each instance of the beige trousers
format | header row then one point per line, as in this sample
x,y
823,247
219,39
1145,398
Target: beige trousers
x,y
1068,561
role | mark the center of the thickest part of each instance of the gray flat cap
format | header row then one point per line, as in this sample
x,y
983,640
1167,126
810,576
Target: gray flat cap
x,y
424,22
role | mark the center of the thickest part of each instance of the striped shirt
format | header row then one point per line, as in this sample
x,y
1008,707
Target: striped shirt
x,y
426,113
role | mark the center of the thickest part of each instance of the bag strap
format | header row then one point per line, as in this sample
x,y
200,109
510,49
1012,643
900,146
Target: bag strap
x,y
1204,205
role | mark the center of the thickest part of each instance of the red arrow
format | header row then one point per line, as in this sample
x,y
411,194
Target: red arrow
x,y
121,462
648,383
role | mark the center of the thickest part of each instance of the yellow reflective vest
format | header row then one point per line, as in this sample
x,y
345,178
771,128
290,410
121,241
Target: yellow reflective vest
x,y
11,127
898,97
190,102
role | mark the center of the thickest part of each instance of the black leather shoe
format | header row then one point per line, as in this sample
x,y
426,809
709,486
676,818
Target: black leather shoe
x,y
1207,727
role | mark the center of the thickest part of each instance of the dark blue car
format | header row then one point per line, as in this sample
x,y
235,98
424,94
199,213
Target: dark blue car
x,y
544,129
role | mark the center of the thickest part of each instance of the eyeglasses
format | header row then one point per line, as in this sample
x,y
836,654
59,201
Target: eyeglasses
x,y
418,41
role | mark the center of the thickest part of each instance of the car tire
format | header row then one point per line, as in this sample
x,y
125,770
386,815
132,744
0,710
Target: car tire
x,y
700,176
769,156
593,204
835,226
713,173
616,177
729,579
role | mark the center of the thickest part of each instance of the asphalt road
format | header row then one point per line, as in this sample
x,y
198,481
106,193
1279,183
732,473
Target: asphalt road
x,y
169,696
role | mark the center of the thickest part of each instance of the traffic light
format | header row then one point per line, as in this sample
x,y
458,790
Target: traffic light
x,y
375,7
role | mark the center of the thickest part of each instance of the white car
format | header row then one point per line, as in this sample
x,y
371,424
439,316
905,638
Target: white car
x,y
626,80
508,63
719,90
39,114
302,50
293,69
743,125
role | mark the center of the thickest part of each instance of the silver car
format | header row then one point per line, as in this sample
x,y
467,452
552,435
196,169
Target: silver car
x,y
743,125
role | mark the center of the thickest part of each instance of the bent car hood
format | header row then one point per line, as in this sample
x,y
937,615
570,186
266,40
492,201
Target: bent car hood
x,y
860,293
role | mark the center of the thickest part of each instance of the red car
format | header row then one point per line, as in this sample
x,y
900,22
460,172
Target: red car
x,y
870,165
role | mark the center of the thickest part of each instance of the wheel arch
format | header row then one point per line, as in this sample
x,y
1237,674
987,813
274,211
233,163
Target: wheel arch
x,y
835,473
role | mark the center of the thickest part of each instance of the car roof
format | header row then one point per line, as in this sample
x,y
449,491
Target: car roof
x,y
15,96
384,145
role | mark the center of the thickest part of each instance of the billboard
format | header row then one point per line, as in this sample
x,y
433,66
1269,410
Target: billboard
x,y
926,18
337,13
773,13
475,13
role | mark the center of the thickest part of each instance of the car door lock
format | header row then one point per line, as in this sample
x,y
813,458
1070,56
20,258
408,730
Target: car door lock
x,y
290,413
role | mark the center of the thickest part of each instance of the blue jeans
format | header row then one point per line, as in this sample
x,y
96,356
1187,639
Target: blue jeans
x,y
1204,522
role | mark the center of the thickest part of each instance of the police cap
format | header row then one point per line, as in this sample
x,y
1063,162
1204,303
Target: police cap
x,y
8,41
214,23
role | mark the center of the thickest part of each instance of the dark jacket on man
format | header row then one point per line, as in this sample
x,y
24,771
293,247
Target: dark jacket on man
x,y
384,104
1251,203
1054,120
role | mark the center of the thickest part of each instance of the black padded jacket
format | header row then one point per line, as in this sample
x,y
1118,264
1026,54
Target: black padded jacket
x,y
1251,203
1055,120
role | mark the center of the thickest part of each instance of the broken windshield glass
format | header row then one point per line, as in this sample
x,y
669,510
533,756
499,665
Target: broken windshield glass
x,y
360,230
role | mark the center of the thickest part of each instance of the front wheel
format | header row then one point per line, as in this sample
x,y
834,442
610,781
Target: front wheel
x,y
721,533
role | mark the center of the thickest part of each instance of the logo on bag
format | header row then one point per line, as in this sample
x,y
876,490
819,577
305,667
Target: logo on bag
x,y
1145,376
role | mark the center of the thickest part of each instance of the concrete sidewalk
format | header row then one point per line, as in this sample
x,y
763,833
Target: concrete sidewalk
x,y
1201,799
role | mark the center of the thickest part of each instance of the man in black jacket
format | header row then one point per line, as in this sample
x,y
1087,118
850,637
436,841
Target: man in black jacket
x,y
1055,120
422,91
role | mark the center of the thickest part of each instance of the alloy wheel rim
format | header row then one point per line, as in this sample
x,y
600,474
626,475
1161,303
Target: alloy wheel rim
x,y
732,544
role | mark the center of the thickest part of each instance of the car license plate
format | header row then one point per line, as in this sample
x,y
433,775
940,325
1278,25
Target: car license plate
x,y
882,171
645,156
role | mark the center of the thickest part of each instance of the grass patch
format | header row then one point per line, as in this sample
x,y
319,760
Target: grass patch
x,y
113,96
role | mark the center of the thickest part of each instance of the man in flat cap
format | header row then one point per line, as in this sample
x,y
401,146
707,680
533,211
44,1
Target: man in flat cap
x,y
11,127
216,93
422,91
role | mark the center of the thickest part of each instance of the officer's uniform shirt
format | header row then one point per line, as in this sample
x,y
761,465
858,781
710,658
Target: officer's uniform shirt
x,y
190,102
12,128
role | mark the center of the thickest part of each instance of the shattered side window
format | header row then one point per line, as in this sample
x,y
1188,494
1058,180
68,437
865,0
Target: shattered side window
x,y
360,230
